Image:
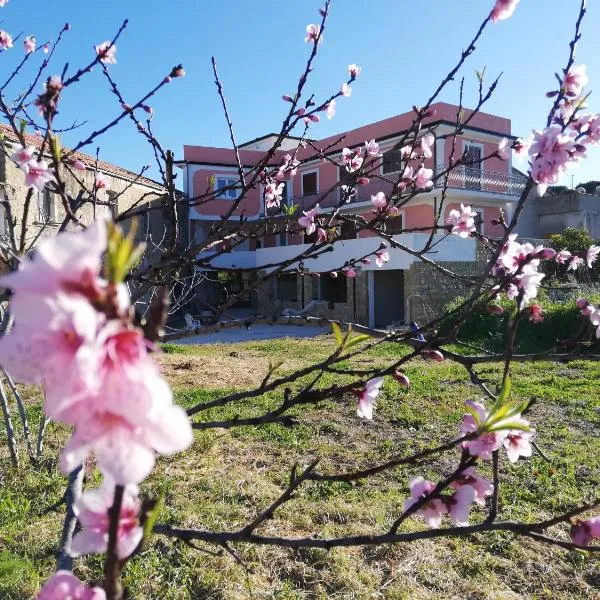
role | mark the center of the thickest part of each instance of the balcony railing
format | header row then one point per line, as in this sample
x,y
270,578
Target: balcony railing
x,y
461,178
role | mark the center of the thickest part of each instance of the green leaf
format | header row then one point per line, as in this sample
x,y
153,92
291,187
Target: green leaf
x,y
357,339
151,516
507,424
339,336
288,211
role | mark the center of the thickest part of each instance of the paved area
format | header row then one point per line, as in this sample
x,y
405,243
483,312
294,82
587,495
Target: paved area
x,y
256,332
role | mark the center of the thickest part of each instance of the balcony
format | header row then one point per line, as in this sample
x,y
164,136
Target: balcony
x,y
462,178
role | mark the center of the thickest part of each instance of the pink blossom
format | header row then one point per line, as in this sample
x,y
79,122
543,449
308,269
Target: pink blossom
x,y
425,145
484,444
23,157
463,221
504,149
367,397
563,256
349,272
92,513
434,509
131,414
575,80
322,235
481,485
546,253
29,44
354,70
535,313
313,33
331,109
574,263
591,255
379,201
273,194
459,504
521,146
346,90
372,148
101,181
518,443
433,354
38,175
287,98
583,531
401,378
78,165
63,585
494,309
365,261
423,179
528,284
584,305
503,9
307,222
381,257
64,262
6,40
107,53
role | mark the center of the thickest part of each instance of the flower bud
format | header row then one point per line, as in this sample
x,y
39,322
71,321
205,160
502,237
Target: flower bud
x,y
494,309
546,253
287,98
433,355
401,378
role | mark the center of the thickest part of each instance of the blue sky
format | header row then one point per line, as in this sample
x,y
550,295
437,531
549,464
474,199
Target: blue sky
x,y
260,51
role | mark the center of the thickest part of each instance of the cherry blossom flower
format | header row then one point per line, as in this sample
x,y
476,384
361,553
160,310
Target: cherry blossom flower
x,y
101,181
463,221
273,194
459,504
63,585
423,179
352,159
432,355
349,272
503,9
381,257
527,285
486,443
494,309
313,33
574,263
367,397
504,149
583,531
521,146
518,443
535,313
23,157
575,80
6,40
77,164
401,378
331,109
354,70
365,261
425,145
434,509
372,148
29,44
346,90
379,201
591,255
322,235
92,509
38,175
307,222
563,256
107,53
481,485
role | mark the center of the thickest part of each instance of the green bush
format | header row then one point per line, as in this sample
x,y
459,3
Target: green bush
x,y
562,320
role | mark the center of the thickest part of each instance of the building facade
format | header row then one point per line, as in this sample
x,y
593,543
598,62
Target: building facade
x,y
405,289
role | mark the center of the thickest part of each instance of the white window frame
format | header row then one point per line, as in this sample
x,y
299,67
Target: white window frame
x,y
230,178
302,181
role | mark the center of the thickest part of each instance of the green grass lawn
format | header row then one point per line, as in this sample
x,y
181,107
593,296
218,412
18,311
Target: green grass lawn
x,y
230,475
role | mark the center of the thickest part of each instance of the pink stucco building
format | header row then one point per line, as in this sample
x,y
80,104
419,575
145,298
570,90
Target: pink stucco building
x,y
404,289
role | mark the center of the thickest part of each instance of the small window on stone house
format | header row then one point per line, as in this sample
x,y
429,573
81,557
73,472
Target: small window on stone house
x,y
393,226
46,206
113,203
333,289
392,161
348,230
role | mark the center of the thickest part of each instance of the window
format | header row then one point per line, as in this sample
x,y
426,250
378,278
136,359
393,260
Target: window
x,y
392,161
283,238
394,225
309,184
334,289
285,193
46,206
113,199
286,287
478,220
222,183
473,153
